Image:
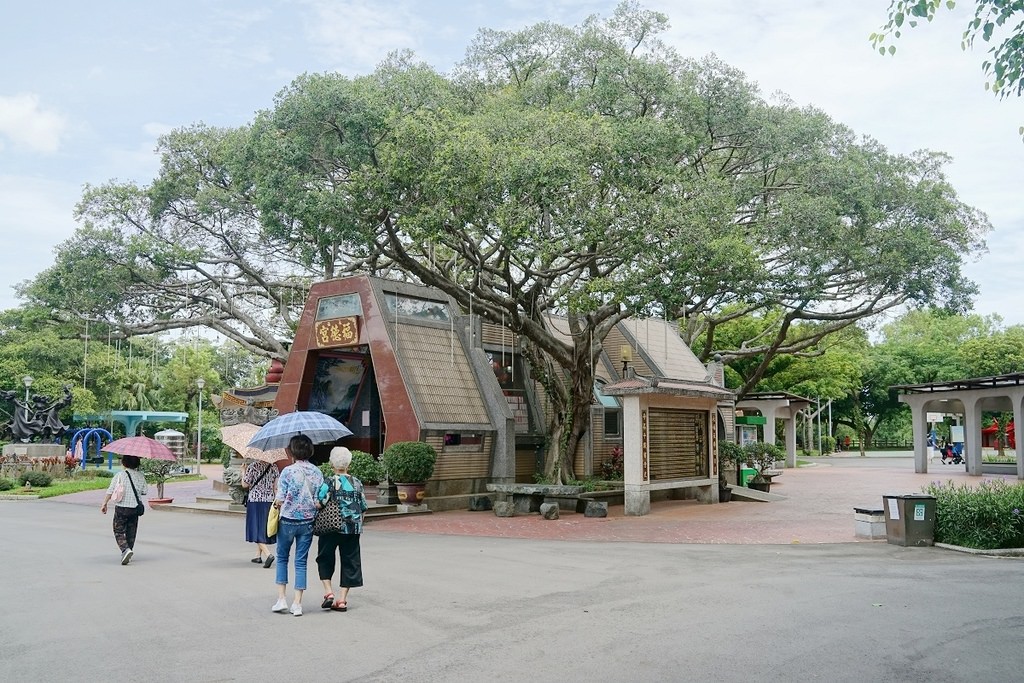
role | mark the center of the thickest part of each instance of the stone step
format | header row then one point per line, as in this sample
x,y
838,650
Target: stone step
x,y
222,505
213,500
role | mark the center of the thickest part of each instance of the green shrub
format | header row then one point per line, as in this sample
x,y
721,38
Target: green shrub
x,y
36,479
409,462
366,468
326,469
102,474
6,484
986,517
762,455
731,452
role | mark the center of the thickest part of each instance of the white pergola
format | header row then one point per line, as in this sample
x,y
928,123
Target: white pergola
x,y
777,405
970,398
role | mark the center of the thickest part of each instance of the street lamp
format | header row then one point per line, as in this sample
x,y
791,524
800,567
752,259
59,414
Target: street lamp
x,y
199,436
27,379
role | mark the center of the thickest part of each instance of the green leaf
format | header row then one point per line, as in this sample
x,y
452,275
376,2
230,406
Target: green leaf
x,y
899,19
881,51
950,4
892,49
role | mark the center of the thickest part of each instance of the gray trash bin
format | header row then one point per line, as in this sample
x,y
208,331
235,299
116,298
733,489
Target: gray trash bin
x,y
910,519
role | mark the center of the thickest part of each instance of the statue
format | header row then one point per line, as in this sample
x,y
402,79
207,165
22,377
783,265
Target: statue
x,y
38,417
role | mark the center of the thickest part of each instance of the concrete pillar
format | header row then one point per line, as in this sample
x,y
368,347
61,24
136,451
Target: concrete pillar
x,y
1018,421
972,434
790,427
769,422
920,429
637,497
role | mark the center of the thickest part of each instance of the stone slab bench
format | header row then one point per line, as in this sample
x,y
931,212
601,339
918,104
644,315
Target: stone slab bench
x,y
869,522
527,498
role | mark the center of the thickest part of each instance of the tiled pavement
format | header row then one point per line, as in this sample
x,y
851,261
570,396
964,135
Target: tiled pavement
x,y
818,509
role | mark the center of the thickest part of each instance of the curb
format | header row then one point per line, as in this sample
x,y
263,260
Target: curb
x,y
7,496
1000,552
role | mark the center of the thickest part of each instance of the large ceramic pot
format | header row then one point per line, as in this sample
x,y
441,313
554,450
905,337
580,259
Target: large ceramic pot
x,y
724,495
411,494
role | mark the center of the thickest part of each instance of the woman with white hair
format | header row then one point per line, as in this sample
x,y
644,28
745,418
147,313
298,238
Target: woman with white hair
x,y
347,492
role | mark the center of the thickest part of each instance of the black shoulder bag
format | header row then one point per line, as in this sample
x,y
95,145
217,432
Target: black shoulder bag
x,y
140,509
258,480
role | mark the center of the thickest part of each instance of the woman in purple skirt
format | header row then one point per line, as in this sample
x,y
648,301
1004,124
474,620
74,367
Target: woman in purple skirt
x,y
259,479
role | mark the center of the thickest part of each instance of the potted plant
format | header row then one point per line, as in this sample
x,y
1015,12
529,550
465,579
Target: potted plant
x,y
761,456
724,492
732,453
409,464
157,472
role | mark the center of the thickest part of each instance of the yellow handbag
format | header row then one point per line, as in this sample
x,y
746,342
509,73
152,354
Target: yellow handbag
x,y
272,518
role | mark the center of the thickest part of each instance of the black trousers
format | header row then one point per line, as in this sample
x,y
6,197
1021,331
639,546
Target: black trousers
x,y
126,524
347,546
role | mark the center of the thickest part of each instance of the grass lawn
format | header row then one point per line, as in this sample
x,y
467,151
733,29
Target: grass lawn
x,y
61,487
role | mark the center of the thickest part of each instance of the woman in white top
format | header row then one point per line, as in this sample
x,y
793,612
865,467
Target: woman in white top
x,y
127,489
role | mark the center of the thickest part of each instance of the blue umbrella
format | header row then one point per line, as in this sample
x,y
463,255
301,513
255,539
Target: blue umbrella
x,y
318,427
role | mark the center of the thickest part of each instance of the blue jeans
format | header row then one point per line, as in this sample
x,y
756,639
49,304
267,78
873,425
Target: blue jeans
x,y
301,531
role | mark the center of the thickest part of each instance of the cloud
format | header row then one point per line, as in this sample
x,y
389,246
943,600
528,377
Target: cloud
x,y
358,34
155,129
25,123
36,217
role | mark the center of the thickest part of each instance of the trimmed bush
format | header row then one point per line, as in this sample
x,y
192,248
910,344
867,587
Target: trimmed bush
x,y
366,468
36,478
409,462
103,474
6,484
986,517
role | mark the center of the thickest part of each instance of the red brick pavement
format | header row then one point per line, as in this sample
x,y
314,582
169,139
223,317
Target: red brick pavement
x,y
818,509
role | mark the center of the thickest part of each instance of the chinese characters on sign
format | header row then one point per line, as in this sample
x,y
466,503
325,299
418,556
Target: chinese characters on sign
x,y
338,332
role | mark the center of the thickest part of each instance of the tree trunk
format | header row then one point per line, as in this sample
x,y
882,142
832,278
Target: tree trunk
x,y
570,417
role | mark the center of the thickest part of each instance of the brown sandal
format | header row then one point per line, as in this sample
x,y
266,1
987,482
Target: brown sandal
x,y
339,607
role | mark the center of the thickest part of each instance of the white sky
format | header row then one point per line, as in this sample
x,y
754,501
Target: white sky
x,y
86,88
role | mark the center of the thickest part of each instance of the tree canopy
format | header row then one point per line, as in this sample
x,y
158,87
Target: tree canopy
x,y
998,22
585,172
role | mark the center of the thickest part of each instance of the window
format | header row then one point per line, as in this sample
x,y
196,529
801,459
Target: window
x,y
413,307
612,411
455,439
330,307
611,422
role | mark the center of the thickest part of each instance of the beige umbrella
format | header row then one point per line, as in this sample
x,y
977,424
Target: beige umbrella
x,y
236,437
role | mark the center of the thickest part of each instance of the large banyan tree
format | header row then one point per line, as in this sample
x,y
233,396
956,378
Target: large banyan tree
x,y
588,172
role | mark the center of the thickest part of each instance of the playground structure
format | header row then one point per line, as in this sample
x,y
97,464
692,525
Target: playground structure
x,y
130,419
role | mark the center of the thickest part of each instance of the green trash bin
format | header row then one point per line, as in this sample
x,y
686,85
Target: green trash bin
x,y
746,474
909,519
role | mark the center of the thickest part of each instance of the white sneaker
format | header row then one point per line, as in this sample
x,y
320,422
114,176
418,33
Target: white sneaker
x,y
126,556
280,606
296,610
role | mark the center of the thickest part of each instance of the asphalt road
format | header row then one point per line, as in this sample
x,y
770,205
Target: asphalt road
x,y
191,607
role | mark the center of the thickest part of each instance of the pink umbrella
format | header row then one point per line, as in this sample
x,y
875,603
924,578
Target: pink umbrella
x,y
140,446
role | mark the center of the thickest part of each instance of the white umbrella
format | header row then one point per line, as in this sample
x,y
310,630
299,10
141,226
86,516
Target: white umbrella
x,y
320,428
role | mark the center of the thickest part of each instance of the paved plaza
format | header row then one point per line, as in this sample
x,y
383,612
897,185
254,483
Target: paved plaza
x,y
734,592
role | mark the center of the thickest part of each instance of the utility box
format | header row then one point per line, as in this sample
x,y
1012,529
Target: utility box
x,y
746,474
909,519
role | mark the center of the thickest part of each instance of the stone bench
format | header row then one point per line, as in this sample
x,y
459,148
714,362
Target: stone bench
x,y
527,498
869,522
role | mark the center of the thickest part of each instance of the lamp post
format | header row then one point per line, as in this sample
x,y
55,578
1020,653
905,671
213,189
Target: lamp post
x,y
199,435
27,379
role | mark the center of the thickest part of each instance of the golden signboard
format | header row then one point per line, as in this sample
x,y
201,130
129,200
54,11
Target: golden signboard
x,y
337,332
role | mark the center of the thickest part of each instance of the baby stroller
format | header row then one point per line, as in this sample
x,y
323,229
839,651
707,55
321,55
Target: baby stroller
x,y
953,454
